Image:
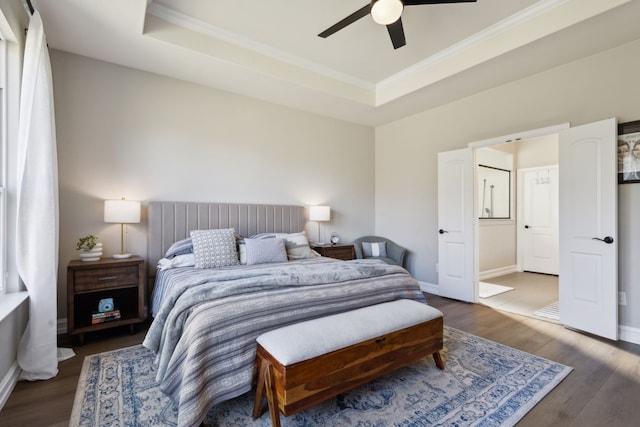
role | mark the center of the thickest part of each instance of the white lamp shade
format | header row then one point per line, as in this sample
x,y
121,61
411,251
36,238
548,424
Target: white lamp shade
x,y
122,211
385,12
319,213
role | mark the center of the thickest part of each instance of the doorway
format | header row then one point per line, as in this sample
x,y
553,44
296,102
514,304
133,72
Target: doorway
x,y
517,253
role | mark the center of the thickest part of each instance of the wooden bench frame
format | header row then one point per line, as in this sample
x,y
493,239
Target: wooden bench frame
x,y
293,388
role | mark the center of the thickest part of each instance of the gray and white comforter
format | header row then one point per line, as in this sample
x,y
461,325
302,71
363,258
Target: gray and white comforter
x,y
204,333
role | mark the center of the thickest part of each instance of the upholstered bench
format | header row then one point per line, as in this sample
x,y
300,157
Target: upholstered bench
x,y
306,363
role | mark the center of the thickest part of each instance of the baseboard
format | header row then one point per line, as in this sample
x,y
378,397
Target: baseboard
x,y
629,334
429,288
487,274
8,383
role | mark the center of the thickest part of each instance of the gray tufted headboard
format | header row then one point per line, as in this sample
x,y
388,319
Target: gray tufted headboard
x,y
172,221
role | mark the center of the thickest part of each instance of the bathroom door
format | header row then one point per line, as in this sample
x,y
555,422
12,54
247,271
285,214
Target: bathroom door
x,y
538,219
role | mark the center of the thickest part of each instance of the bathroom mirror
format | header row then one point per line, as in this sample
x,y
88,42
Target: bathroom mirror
x,y
494,189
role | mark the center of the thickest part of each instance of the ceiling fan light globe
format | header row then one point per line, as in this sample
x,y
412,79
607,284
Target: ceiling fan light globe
x,y
385,12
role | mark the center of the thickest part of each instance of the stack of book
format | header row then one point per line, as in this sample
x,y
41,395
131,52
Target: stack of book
x,y
105,316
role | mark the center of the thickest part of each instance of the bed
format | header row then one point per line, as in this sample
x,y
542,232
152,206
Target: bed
x,y
206,320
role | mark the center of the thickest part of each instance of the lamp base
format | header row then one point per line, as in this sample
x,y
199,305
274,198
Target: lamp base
x,y
122,256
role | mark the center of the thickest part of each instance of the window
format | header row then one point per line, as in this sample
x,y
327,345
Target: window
x,y
12,37
3,166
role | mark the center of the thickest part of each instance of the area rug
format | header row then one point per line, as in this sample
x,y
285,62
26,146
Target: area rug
x,y
487,290
484,384
550,312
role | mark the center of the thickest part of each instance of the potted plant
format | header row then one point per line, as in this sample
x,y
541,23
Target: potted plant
x,y
90,249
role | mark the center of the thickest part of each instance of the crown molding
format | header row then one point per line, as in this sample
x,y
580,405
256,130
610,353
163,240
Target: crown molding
x,y
209,30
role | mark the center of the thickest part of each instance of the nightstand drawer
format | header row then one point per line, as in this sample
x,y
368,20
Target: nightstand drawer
x,y
343,252
101,278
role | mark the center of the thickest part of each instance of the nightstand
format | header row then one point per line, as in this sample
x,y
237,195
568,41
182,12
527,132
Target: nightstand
x,y
344,252
92,281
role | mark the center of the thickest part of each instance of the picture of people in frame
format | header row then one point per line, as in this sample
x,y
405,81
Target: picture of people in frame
x,y
629,157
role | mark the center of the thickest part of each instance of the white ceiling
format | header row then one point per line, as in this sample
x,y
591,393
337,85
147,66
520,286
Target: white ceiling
x,y
270,49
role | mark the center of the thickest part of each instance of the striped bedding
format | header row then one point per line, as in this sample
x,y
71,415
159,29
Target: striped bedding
x,y
205,330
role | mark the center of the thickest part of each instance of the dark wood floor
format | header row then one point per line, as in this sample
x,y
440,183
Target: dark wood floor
x,y
603,389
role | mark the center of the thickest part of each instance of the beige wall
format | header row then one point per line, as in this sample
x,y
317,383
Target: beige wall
x,y
129,133
497,252
588,90
535,152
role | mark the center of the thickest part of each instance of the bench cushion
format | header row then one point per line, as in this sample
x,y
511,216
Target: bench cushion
x,y
312,338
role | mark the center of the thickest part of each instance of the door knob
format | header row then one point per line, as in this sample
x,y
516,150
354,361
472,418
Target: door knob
x,y
441,231
526,226
608,240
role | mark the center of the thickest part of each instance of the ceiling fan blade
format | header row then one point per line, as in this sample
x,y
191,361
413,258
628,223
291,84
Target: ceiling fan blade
x,y
417,2
360,13
396,32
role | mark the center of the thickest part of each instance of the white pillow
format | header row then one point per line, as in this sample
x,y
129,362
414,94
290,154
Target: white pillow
x,y
242,251
374,249
186,260
261,251
214,248
297,244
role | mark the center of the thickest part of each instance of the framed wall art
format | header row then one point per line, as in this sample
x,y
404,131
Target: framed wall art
x,y
629,152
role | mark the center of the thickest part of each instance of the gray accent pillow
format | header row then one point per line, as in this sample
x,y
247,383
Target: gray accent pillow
x,y
214,248
374,249
262,251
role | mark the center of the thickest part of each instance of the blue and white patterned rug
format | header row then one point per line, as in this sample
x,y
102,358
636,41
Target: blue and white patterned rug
x,y
484,384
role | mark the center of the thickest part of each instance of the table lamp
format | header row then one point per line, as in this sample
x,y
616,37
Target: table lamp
x,y
319,214
124,212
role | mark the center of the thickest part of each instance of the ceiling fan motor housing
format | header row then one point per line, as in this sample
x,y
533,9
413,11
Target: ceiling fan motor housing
x,y
385,12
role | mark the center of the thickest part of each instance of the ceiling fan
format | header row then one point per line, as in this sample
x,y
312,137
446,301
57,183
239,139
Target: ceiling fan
x,y
385,12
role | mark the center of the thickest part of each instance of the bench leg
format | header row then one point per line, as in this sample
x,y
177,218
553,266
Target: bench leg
x,y
438,359
272,396
260,388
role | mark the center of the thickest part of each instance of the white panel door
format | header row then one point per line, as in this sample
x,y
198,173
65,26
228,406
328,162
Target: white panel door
x,y
455,225
538,225
588,229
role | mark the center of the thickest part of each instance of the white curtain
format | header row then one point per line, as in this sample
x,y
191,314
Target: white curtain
x,y
37,215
